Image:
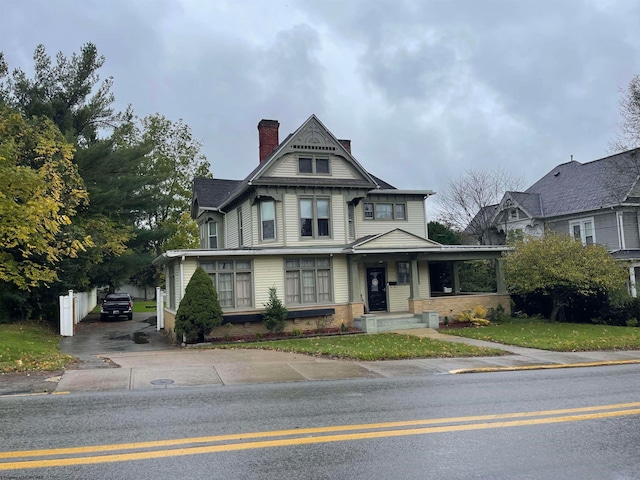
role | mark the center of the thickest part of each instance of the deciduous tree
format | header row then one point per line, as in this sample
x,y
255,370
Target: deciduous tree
x,y
40,192
468,202
561,267
628,136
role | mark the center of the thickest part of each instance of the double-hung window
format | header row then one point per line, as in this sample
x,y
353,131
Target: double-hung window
x,y
307,280
268,219
315,217
232,279
583,231
385,211
212,235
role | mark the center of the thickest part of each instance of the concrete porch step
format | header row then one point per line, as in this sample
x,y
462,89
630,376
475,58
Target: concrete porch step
x,y
373,323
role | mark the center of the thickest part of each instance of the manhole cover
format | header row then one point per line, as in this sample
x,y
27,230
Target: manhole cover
x,y
162,381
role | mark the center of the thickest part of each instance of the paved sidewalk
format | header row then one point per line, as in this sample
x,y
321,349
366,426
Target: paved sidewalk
x,y
178,367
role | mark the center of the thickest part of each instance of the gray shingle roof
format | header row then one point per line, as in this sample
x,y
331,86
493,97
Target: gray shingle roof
x,y
575,187
211,192
530,202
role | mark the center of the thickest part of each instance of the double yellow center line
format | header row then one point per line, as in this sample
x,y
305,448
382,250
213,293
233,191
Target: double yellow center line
x,y
123,452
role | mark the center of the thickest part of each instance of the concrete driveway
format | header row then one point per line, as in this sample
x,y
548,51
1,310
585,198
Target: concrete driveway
x,y
93,337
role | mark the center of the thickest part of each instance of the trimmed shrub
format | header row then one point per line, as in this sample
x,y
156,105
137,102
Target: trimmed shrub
x,y
199,311
275,314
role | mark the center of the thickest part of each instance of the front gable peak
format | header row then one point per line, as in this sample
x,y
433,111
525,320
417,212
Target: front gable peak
x,y
312,137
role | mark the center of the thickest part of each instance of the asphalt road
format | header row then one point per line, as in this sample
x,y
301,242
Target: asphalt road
x,y
569,424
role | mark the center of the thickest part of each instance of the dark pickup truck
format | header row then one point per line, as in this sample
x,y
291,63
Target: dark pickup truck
x,y
116,304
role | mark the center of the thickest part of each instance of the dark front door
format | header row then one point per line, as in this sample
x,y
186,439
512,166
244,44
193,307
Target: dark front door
x,y
377,289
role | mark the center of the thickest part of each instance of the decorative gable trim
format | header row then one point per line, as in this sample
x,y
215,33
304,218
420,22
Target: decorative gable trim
x,y
312,136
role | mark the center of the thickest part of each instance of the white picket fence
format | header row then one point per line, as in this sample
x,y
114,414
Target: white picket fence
x,y
74,307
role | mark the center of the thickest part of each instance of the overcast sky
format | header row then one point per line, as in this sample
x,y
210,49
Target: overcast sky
x,y
424,89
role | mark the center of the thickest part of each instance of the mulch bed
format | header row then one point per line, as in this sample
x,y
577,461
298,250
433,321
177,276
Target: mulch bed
x,y
326,332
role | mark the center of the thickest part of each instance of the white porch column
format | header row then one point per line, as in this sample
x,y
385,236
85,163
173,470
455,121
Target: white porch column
x,y
632,281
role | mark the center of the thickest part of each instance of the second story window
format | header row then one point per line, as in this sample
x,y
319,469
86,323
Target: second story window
x,y
268,220
314,217
582,230
212,235
385,211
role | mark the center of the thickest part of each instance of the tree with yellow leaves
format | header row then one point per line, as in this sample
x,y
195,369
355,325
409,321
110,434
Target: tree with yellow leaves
x,y
40,192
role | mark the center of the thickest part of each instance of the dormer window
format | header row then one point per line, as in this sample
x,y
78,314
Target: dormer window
x,y
313,165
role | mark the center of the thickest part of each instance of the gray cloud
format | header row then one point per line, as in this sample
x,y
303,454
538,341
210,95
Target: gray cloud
x,y
425,89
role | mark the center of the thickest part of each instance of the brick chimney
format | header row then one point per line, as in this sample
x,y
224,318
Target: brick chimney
x,y
346,144
268,137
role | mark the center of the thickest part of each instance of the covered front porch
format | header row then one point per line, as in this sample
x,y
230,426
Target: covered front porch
x,y
428,284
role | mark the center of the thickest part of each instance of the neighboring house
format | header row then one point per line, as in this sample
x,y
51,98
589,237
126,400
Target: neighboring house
x,y
595,202
334,240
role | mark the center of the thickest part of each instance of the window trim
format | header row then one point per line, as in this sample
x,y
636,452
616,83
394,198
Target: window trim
x,y
374,211
314,164
299,269
315,235
581,224
214,270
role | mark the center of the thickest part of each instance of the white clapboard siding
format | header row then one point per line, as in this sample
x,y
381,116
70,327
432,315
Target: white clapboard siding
x,y
398,239
340,280
231,229
268,272
415,222
424,280
288,167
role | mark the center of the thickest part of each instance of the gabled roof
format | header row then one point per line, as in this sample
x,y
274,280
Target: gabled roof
x,y
528,202
393,239
217,194
312,131
576,187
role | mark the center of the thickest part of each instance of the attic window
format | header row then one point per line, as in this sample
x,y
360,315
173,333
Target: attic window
x,y
313,165
513,214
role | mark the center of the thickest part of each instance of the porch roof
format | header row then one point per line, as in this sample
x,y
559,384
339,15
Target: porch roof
x,y
441,252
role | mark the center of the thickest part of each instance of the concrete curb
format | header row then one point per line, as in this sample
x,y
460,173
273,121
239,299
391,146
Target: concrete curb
x,y
544,366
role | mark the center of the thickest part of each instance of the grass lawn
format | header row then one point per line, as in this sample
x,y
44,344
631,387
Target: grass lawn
x,y
561,337
25,347
381,346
